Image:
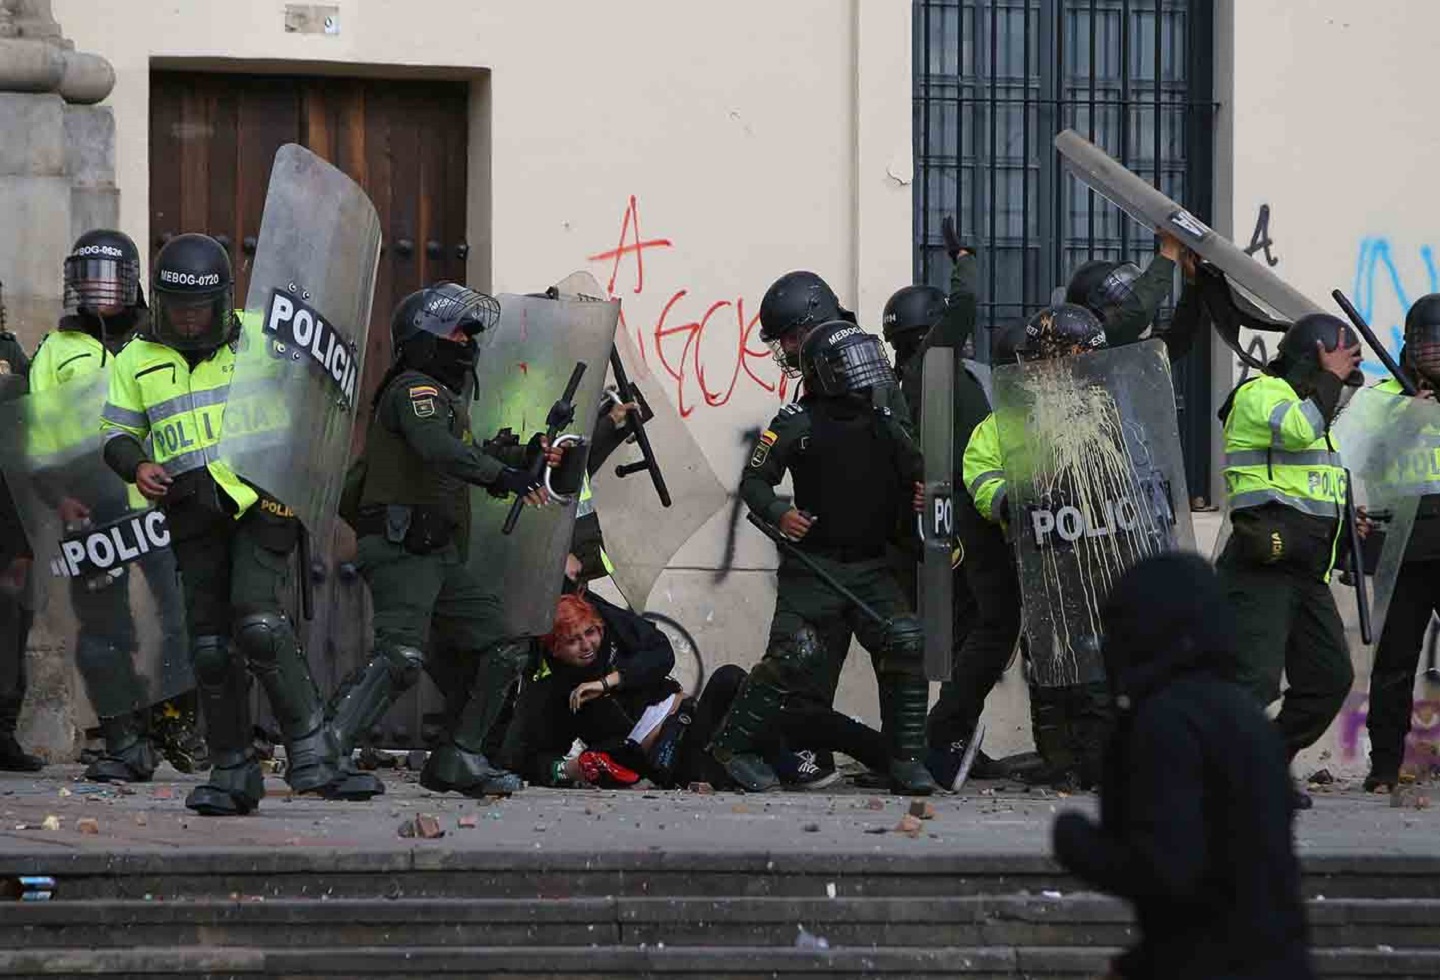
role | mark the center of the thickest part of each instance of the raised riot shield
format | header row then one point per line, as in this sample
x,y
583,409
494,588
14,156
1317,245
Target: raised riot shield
x,y
641,534
1138,198
936,592
287,421
1096,481
105,580
1390,443
524,365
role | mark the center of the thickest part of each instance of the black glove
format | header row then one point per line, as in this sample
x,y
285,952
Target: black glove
x,y
953,245
514,481
534,449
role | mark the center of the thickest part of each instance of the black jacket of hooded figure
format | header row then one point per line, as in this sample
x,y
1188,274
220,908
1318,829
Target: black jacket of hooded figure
x,y
1196,813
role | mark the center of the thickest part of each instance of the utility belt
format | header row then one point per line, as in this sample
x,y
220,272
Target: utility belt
x,y
420,530
1279,536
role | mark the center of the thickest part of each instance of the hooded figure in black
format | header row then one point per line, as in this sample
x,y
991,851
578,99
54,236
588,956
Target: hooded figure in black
x,y
1196,807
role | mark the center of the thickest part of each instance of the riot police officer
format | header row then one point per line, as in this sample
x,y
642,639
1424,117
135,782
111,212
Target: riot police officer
x,y
107,304
1417,589
1126,300
855,469
232,541
1286,490
409,504
15,611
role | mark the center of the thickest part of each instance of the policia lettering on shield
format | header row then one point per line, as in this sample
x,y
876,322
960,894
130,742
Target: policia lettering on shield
x,y
232,543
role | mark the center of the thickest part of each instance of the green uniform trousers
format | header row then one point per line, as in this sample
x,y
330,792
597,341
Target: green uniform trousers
x,y
1288,623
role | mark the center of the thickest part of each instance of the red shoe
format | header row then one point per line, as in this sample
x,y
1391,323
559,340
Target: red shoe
x,y
601,770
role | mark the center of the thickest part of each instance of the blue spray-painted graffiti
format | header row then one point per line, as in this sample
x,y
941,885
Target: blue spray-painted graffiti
x,y
1383,293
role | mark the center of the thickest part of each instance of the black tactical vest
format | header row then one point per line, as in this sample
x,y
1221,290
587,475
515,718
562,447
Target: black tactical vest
x,y
847,474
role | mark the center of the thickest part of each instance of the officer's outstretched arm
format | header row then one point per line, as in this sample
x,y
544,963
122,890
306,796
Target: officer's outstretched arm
x,y
1149,292
768,459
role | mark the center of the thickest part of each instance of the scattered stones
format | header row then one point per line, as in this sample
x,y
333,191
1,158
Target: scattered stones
x,y
163,793
467,822
922,809
51,822
141,820
874,803
427,825
65,792
909,825
739,808
704,789
1321,778
87,825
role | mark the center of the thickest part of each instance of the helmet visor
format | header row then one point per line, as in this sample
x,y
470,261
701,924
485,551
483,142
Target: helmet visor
x,y
99,284
192,321
457,313
1425,355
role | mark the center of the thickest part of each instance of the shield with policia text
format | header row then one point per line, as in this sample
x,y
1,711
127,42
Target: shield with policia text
x,y
1390,443
1096,482
292,400
105,580
641,533
524,368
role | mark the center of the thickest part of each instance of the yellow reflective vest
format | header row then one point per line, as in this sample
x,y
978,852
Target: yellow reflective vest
x,y
154,392
65,355
984,469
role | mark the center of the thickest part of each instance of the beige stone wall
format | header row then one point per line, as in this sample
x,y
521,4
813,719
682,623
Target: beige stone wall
x,y
750,138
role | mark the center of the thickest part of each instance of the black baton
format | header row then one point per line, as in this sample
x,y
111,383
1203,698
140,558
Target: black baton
x,y
562,413
1357,562
637,423
786,545
1375,345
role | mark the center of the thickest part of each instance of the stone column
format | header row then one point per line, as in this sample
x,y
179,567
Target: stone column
x,y
57,180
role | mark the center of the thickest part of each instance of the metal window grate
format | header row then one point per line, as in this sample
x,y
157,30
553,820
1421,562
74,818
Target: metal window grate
x,y
995,80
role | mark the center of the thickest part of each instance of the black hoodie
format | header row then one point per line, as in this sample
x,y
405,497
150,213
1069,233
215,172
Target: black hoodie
x,y
1195,827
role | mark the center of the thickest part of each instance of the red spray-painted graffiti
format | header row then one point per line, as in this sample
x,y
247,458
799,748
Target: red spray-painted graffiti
x,y
705,356
1422,745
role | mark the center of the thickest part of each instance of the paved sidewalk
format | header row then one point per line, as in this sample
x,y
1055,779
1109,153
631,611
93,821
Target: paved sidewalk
x,y
987,819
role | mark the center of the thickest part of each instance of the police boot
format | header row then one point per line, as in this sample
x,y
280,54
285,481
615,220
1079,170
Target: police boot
x,y
736,744
1049,726
459,765
365,697
129,757
234,785
312,758
174,728
903,703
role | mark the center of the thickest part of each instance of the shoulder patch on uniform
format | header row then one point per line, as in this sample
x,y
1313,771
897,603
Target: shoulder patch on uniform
x,y
762,448
422,391
424,406
794,408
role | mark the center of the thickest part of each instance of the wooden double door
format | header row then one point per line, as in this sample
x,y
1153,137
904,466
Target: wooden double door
x,y
213,139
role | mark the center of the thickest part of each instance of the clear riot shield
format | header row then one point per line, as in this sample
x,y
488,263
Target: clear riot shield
x,y
105,580
1096,482
524,365
286,427
1390,443
936,592
641,534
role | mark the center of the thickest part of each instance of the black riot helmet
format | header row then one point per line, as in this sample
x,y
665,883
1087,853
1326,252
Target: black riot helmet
x,y
193,290
102,273
795,304
1105,288
911,312
1006,343
838,358
434,329
1422,337
1061,330
1296,353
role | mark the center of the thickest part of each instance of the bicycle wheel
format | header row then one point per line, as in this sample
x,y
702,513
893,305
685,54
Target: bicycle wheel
x,y
689,665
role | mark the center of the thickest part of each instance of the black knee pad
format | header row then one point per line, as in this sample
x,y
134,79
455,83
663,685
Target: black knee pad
x,y
259,636
211,658
792,660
